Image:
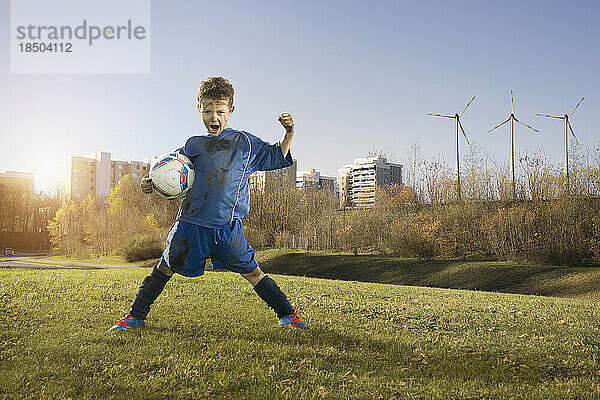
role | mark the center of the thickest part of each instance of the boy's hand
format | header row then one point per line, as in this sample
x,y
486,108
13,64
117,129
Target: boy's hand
x,y
146,184
287,122
286,141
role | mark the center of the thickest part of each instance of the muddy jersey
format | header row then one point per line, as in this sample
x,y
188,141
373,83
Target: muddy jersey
x,y
221,191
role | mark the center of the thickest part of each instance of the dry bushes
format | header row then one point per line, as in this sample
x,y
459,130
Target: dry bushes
x,y
94,227
142,247
413,235
561,231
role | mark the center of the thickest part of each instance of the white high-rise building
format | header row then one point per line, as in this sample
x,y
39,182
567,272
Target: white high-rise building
x,y
357,181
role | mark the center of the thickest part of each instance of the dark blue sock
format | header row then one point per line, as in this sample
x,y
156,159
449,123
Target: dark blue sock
x,y
268,290
151,287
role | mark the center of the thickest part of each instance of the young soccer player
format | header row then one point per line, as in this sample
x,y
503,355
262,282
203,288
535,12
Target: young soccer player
x,y
209,222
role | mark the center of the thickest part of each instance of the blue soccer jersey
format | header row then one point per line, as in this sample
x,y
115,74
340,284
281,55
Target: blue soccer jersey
x,y
221,191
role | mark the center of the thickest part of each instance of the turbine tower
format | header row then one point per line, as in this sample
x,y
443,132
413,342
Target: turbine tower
x,y
458,126
512,120
567,127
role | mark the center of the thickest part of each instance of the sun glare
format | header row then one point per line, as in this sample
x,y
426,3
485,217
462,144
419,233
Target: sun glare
x,y
47,175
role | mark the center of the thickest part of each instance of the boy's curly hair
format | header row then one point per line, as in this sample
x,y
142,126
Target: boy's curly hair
x,y
216,88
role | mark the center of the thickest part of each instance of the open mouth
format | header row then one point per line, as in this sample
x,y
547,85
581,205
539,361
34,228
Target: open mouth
x,y
213,128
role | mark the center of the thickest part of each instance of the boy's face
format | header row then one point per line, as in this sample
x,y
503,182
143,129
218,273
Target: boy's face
x,y
215,114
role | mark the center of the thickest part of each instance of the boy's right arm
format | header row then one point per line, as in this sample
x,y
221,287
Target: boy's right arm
x,y
146,184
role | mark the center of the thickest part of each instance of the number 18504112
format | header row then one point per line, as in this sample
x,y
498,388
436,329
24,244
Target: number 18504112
x,y
45,47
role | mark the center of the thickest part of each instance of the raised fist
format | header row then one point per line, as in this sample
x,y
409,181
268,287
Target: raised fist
x,y
287,122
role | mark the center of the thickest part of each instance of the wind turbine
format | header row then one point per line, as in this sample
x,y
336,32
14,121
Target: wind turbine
x,y
458,126
567,127
512,120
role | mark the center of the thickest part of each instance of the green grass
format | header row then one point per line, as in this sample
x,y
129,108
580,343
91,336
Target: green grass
x,y
120,260
212,337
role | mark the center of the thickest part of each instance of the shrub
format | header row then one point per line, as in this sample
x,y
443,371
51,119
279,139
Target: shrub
x,y
459,234
142,247
413,235
557,232
83,253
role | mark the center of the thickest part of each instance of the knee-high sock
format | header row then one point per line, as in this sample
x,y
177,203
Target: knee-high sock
x,y
151,287
268,290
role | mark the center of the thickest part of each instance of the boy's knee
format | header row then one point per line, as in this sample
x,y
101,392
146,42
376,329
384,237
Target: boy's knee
x,y
254,277
164,269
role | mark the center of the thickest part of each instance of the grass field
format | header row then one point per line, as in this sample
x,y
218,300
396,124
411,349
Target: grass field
x,y
105,260
211,337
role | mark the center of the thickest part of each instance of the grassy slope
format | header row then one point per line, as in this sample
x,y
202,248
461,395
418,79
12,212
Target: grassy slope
x,y
493,276
212,337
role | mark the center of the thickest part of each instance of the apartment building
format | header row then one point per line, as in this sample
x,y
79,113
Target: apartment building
x,y
313,180
96,175
357,181
17,179
328,183
284,177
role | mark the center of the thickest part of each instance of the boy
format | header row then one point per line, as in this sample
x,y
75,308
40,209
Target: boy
x,y
209,220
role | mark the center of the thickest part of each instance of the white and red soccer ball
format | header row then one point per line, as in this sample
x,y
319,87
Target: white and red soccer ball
x,y
172,175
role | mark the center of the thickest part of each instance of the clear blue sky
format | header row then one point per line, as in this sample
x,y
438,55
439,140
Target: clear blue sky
x,y
354,75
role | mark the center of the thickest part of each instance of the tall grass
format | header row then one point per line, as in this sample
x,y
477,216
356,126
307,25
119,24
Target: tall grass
x,y
545,218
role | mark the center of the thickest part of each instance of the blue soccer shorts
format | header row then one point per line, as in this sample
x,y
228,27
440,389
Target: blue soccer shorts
x,y
188,246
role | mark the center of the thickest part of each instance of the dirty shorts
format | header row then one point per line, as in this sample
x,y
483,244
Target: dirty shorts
x,y
188,246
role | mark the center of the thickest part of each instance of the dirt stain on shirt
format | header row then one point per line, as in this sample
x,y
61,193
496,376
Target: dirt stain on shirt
x,y
217,178
215,145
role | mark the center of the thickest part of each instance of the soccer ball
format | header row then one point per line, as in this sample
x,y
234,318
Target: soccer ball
x,y
172,175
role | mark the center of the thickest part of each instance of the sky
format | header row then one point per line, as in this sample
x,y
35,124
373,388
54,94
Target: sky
x,y
354,75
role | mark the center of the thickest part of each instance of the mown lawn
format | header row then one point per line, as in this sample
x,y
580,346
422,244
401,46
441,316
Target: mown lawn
x,y
120,260
104,260
211,337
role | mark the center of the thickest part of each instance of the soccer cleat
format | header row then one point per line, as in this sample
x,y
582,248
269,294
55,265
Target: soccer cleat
x,y
293,320
128,322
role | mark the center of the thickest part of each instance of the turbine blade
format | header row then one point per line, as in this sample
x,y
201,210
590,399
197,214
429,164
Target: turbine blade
x,y
463,132
441,115
571,128
512,103
576,106
551,116
466,106
499,125
530,127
